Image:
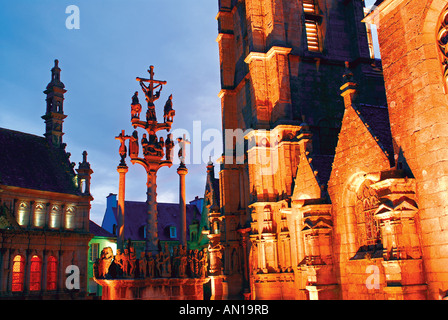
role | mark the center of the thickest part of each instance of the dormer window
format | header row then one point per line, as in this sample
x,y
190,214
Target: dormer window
x,y
173,233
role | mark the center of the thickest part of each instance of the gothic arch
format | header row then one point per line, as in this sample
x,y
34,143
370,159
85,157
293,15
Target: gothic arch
x,y
348,224
430,32
442,44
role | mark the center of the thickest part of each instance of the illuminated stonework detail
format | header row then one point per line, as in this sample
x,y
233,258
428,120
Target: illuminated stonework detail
x,y
22,213
366,205
55,217
39,214
442,42
70,217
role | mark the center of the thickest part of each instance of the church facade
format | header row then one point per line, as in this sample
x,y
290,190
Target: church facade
x,y
340,192
45,208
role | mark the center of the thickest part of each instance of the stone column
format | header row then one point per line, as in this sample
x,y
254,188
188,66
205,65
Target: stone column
x,y
246,282
3,278
151,220
182,171
61,271
9,272
26,284
122,170
43,274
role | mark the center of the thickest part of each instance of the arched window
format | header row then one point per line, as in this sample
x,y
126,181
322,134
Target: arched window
x,y
18,273
366,205
442,42
52,273
35,273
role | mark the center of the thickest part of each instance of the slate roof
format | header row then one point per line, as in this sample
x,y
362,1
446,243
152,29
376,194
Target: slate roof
x,y
167,215
28,161
323,165
377,118
97,231
378,2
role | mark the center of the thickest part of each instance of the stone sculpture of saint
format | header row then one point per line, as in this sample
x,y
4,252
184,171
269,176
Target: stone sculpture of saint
x,y
125,258
136,107
132,261
183,262
133,145
142,265
150,260
169,145
145,144
168,112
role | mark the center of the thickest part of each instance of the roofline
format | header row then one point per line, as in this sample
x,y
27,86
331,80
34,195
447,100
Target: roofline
x,y
32,193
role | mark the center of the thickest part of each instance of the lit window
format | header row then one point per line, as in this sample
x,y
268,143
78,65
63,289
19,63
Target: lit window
x,y
18,273
366,204
309,6
35,273
52,273
94,250
173,233
312,37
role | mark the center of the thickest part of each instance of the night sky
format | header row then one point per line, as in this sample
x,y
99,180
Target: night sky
x,y
116,41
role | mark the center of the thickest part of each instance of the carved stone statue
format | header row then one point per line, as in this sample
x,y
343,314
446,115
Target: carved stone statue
x,y
196,262
191,263
133,145
168,112
132,261
136,107
105,261
125,263
151,113
159,264
142,265
169,145
183,262
145,144
151,271
119,262
122,150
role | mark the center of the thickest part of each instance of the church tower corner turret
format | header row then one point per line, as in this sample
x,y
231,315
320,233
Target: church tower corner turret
x,y
54,115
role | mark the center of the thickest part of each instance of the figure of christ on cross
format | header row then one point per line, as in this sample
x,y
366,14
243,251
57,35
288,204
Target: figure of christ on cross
x,y
122,150
153,85
182,142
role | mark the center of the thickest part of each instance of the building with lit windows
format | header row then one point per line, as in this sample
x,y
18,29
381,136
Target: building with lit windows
x,y
44,208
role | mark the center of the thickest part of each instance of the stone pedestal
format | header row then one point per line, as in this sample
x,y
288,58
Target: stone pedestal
x,y
153,289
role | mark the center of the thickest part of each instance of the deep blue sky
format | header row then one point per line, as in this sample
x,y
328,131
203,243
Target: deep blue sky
x,y
116,42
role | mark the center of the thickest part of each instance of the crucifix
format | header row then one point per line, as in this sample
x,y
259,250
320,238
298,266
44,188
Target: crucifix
x,y
122,150
149,90
182,142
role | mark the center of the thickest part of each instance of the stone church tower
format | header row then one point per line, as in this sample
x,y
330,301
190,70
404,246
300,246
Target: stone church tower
x,y
282,63
413,37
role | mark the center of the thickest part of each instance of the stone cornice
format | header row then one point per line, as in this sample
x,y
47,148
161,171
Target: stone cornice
x,y
383,9
266,56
